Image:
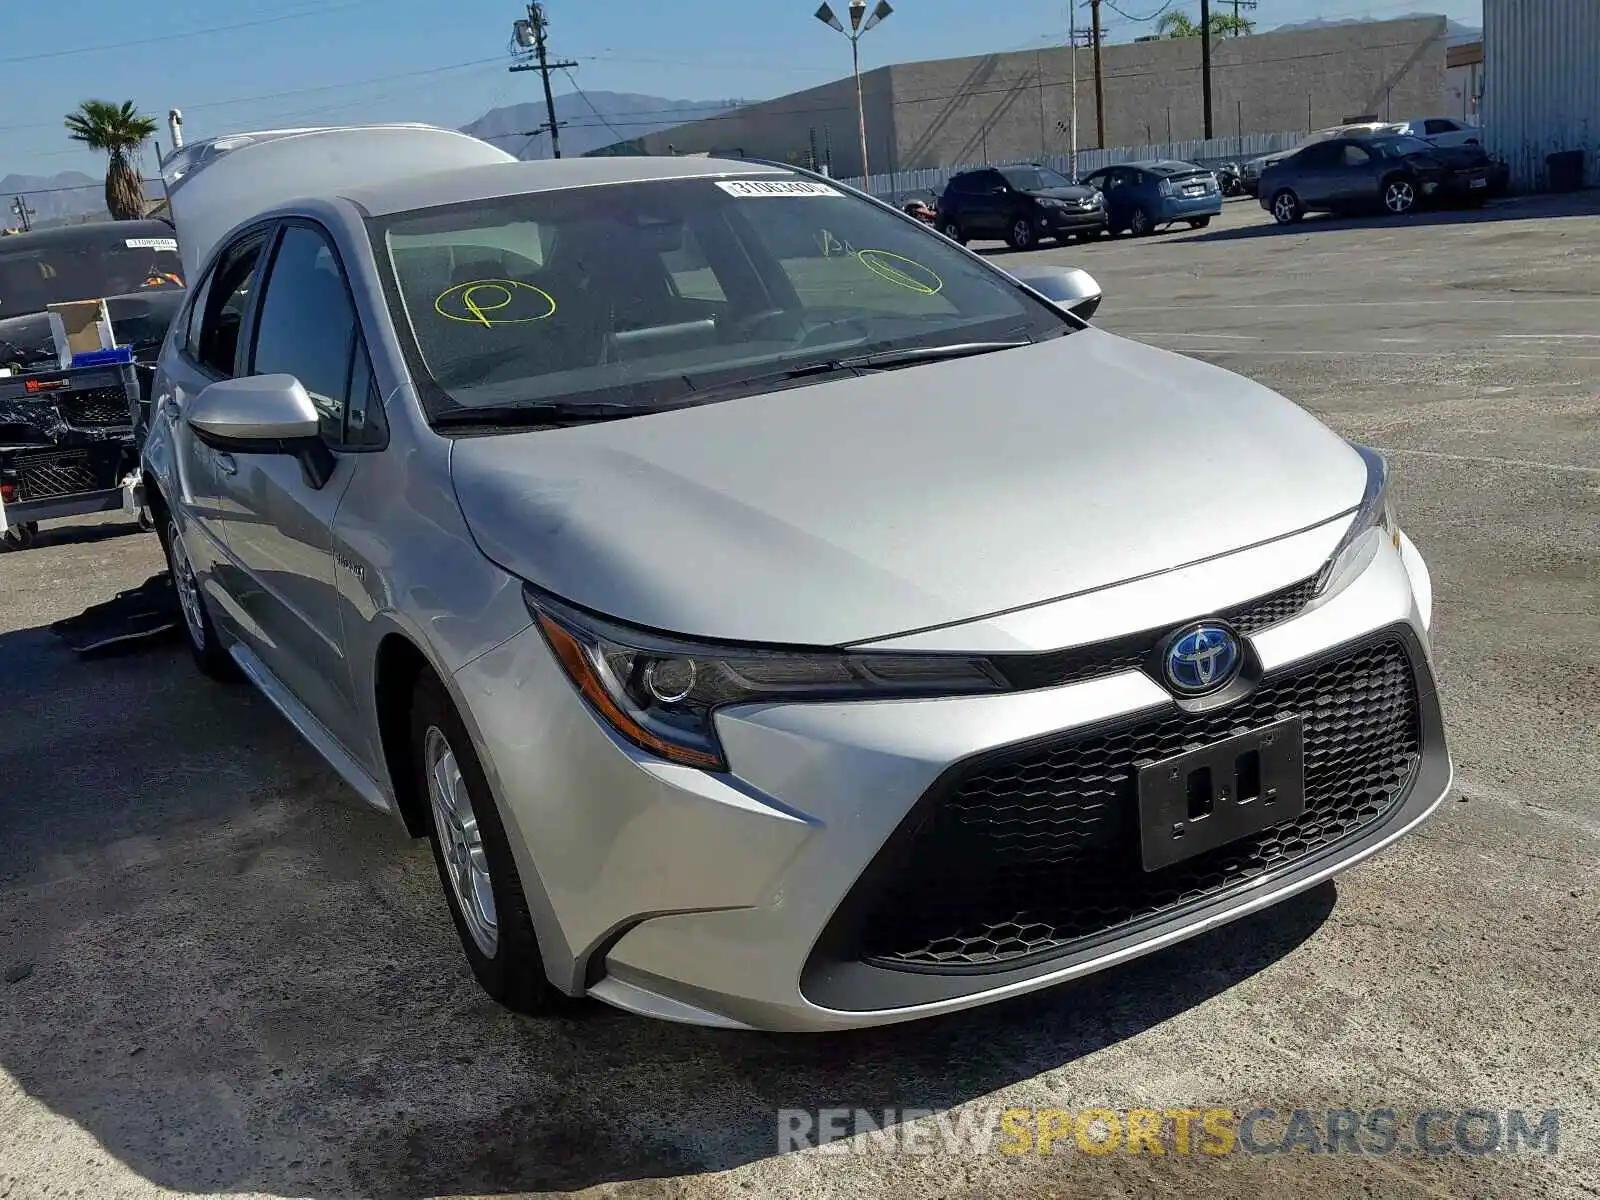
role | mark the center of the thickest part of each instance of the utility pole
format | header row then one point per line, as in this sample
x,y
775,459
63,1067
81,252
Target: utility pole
x,y
24,213
1205,59
1237,5
1099,93
529,34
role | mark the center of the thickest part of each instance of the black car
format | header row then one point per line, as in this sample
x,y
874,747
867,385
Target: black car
x,y
1024,205
1392,172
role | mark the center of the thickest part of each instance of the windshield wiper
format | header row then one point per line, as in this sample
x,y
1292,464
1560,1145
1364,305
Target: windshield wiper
x,y
919,354
503,416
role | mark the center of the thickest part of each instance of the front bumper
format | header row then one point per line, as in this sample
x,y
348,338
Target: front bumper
x,y
755,899
1056,222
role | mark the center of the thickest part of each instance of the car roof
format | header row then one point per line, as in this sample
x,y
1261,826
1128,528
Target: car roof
x,y
491,181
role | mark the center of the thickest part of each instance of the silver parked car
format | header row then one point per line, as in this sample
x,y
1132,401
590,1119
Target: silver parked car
x,y
776,615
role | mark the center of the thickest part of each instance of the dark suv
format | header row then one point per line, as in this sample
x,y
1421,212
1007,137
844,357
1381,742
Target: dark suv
x,y
1023,205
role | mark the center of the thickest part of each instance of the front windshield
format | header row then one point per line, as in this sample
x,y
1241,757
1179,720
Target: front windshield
x,y
34,276
1035,179
646,294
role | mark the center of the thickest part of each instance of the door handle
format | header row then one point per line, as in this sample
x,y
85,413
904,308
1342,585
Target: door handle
x,y
226,465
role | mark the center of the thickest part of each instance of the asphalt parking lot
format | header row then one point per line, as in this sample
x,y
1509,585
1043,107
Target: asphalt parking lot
x,y
224,975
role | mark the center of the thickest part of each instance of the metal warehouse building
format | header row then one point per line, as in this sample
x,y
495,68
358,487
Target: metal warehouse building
x,y
1000,107
1541,91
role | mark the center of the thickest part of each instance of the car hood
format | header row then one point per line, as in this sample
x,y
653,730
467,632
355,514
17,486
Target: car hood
x,y
1080,192
852,510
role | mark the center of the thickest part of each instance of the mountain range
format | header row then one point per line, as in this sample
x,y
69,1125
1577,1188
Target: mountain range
x,y
589,121
1455,31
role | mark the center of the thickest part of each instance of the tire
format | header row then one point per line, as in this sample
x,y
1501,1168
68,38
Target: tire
x,y
476,867
1140,224
20,537
198,631
1019,234
952,230
1399,195
1199,222
1286,208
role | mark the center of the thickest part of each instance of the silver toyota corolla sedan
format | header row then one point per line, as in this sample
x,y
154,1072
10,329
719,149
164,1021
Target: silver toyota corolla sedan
x,y
775,615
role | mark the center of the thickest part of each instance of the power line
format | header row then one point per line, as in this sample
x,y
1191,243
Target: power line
x,y
323,87
1139,20
154,39
582,95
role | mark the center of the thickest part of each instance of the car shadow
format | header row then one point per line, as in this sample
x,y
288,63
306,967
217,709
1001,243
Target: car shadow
x,y
236,978
1516,208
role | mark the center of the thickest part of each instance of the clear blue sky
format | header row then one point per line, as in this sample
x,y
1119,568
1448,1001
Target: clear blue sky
x,y
273,62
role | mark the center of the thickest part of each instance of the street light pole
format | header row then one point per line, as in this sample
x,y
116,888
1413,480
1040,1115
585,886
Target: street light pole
x,y
860,23
861,105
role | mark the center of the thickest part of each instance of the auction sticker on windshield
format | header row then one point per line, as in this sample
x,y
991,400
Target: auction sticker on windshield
x,y
753,188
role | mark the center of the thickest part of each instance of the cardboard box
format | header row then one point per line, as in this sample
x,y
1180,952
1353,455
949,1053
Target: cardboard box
x,y
87,325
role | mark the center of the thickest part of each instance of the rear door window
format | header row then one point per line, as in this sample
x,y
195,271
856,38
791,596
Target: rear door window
x,y
227,303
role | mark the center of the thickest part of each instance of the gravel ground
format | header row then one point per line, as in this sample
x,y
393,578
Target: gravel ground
x,y
223,975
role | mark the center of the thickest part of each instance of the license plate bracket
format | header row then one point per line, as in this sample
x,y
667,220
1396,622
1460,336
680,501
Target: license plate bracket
x,y
1206,797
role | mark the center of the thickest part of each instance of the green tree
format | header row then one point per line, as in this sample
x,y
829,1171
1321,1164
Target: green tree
x,y
118,130
1181,25
1176,25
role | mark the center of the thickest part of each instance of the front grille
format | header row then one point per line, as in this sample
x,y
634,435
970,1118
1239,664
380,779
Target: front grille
x,y
1032,853
1129,653
97,408
41,477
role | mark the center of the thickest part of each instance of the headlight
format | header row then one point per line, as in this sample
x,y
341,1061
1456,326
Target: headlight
x,y
660,692
1376,512
1049,202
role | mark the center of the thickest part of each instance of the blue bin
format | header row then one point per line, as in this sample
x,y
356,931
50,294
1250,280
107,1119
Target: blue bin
x,y
119,357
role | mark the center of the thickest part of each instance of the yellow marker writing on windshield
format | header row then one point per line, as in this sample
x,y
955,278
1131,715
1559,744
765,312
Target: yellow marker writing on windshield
x,y
901,271
492,302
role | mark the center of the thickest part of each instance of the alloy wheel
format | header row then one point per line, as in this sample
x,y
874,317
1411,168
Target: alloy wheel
x,y
460,841
187,587
1399,196
1022,234
1139,223
1284,208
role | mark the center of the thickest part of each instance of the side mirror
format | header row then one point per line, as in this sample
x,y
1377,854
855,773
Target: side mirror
x,y
1067,288
263,414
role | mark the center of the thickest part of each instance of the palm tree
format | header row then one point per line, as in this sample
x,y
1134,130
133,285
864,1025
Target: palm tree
x,y
1181,25
1176,25
119,130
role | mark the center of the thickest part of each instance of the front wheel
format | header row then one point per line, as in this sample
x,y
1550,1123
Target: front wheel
x,y
1020,235
952,230
1199,222
1139,223
474,858
1399,196
1286,209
